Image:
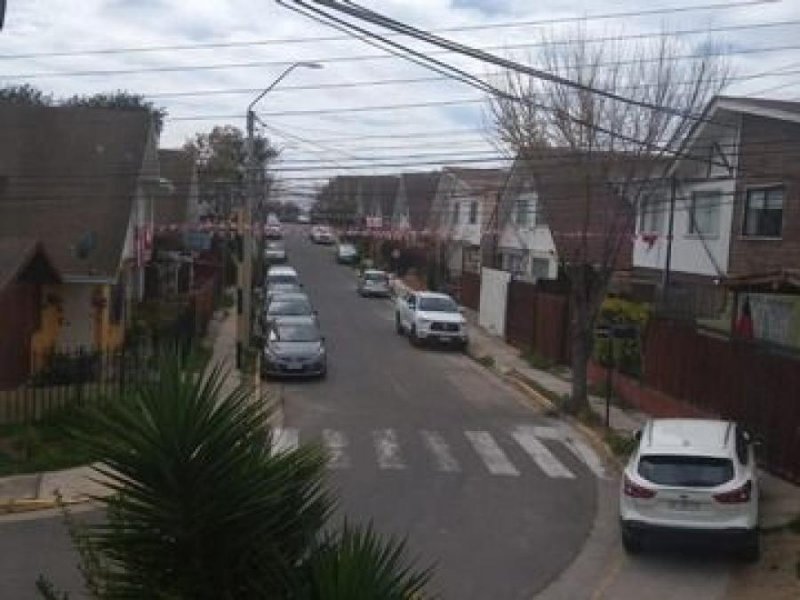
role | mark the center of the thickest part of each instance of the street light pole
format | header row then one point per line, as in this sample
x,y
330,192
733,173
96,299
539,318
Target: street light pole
x,y
243,322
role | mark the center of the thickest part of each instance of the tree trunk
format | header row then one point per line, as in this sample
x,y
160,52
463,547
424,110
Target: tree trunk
x,y
581,337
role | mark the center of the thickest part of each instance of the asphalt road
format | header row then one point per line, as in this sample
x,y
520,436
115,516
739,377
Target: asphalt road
x,y
429,445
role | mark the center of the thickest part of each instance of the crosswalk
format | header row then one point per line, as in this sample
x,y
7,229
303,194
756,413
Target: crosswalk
x,y
495,451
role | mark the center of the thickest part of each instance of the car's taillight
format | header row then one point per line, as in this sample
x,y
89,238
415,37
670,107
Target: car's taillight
x,y
635,490
738,496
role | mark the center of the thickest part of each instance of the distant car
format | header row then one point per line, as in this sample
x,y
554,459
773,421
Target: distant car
x,y
303,219
275,252
694,479
294,346
322,234
294,304
280,274
374,283
281,288
430,317
346,254
273,232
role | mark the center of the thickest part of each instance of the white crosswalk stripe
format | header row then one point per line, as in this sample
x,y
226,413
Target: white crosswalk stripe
x,y
490,452
586,455
336,444
388,449
543,458
284,439
445,461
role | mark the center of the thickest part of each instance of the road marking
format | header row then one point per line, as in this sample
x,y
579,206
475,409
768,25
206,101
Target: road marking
x,y
388,449
336,444
586,455
545,433
445,461
543,458
492,455
284,440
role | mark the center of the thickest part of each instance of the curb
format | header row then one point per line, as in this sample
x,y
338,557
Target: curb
x,y
518,381
14,507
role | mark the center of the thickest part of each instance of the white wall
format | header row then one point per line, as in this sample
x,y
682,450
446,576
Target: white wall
x,y
78,326
494,295
707,255
533,239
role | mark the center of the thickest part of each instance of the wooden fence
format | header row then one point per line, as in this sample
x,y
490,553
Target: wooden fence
x,y
734,379
469,293
538,321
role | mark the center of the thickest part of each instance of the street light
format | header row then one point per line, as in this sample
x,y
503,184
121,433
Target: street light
x,y
243,323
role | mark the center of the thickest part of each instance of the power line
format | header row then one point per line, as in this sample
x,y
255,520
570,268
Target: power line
x,y
498,25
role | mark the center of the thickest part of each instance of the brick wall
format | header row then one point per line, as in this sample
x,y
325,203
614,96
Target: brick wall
x,y
770,154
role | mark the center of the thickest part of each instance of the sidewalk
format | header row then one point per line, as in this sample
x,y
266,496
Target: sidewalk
x,y
780,500
38,491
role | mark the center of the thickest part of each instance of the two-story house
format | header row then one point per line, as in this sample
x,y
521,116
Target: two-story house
x,y
462,210
412,206
734,214
84,181
375,197
521,240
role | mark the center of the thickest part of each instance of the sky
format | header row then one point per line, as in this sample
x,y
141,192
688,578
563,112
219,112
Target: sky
x,y
205,60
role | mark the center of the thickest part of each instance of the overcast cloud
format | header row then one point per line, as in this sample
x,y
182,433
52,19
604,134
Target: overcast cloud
x,y
42,26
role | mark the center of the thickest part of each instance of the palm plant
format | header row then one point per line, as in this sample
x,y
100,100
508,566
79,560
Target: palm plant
x,y
203,508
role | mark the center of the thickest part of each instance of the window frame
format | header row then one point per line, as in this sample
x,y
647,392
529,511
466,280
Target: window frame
x,y
765,188
691,213
473,212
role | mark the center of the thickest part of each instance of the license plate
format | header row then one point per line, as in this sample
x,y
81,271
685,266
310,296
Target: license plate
x,y
683,505
444,338
294,367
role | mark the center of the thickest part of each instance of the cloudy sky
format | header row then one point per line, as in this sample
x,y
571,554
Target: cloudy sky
x,y
204,60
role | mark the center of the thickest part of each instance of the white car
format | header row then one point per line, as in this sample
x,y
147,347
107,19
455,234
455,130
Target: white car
x,y
691,479
280,274
322,234
430,317
374,283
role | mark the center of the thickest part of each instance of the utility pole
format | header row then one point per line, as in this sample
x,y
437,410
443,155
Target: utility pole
x,y
670,227
245,283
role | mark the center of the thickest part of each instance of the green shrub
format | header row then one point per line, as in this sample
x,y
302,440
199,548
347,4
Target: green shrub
x,y
621,445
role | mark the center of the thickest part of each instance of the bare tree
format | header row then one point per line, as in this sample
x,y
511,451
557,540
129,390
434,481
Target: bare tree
x,y
595,157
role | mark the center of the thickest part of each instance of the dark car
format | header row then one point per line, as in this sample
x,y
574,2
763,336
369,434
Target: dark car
x,y
294,347
293,304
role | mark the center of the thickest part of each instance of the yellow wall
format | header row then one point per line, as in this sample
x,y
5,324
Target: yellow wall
x,y
44,339
108,335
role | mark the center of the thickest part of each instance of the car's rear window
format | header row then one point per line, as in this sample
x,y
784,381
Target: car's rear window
x,y
378,277
686,471
273,279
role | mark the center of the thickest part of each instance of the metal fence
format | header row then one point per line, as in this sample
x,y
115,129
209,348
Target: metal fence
x,y
538,321
469,293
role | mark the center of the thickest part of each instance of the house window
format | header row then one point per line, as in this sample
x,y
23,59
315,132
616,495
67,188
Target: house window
x,y
540,268
704,213
472,259
651,216
763,212
473,212
522,211
456,208
513,264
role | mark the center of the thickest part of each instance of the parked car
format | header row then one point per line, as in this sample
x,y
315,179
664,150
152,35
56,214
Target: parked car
x,y
430,317
346,254
280,274
695,479
374,283
303,218
275,252
281,288
273,232
294,304
322,234
294,346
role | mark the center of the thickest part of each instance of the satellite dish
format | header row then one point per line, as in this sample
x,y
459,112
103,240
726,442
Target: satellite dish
x,y
2,12
86,244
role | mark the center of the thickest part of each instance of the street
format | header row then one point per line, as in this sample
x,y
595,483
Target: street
x,y
430,446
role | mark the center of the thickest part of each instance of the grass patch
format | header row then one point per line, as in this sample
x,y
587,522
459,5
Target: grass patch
x,y
621,445
44,446
537,361
487,361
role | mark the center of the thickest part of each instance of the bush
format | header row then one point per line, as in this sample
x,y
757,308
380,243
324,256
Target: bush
x,y
621,445
624,354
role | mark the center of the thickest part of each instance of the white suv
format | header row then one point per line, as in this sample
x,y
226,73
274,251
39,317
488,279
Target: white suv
x,y
691,478
432,317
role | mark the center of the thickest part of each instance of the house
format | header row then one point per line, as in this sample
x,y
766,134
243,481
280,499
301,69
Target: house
x,y
415,195
338,202
175,217
84,181
735,215
375,198
25,271
463,209
521,240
